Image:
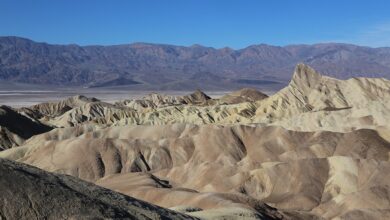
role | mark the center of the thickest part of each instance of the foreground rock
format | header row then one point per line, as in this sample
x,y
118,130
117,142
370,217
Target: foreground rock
x,y
30,193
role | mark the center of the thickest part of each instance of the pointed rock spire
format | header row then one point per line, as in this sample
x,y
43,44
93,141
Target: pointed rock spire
x,y
304,76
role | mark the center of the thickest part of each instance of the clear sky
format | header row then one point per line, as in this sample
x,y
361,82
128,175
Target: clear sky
x,y
216,23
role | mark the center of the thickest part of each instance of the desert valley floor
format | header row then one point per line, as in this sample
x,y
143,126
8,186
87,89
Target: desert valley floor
x,y
317,149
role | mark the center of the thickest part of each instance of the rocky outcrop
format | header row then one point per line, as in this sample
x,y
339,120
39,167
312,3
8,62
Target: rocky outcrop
x,y
315,102
15,128
30,193
54,109
156,100
243,95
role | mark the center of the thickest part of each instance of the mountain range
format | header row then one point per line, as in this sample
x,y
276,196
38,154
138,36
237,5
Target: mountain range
x,y
168,67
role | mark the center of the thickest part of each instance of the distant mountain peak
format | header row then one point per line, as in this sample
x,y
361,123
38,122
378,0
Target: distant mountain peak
x,y
151,66
196,45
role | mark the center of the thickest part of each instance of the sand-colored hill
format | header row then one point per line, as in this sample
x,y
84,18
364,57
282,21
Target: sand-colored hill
x,y
310,102
315,102
212,167
243,95
53,109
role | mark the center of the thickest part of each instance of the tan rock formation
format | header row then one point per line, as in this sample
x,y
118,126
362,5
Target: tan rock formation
x,y
317,149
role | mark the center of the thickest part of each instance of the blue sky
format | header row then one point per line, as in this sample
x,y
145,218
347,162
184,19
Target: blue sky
x,y
216,23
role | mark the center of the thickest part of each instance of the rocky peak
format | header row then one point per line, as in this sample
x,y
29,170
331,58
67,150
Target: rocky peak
x,y
305,77
200,95
83,98
197,97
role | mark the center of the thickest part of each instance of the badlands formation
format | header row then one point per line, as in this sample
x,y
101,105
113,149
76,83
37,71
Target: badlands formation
x,y
317,149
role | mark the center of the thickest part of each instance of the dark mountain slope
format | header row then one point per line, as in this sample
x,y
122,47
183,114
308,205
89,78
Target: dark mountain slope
x,y
142,65
30,193
15,128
